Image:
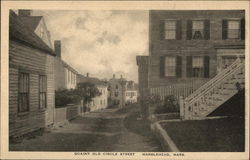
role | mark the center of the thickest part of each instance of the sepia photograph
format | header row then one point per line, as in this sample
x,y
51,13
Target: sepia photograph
x,y
116,82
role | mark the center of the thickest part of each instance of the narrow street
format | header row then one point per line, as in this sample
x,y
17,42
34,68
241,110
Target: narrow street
x,y
105,130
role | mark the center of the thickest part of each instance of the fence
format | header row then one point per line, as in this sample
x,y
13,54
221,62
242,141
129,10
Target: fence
x,y
177,90
66,113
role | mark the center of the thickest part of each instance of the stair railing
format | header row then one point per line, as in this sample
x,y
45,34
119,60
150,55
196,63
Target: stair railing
x,y
213,80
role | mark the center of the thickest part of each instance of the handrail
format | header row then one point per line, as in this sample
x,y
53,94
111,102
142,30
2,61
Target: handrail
x,y
212,81
214,84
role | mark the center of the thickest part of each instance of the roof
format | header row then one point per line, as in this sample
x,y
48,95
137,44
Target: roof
x,y
68,66
142,59
96,81
19,32
30,21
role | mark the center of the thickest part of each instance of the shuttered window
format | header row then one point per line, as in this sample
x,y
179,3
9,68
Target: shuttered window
x,y
198,66
170,29
23,92
170,66
198,29
233,29
42,92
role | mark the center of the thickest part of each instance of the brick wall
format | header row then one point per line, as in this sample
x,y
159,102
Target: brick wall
x,y
33,62
184,47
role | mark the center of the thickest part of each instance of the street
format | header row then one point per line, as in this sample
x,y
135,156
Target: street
x,y
105,130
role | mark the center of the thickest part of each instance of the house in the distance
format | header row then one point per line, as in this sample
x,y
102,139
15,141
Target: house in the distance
x,y
131,93
117,87
65,75
121,92
31,77
98,102
192,54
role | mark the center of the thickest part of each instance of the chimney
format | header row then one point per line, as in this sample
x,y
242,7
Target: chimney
x,y
24,12
57,46
114,76
87,74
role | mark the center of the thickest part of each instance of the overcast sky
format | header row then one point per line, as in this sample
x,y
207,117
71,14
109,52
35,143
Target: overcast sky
x,y
102,43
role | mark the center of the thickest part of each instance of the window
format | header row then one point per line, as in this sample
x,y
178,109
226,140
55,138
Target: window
x,y
116,86
42,92
170,29
197,67
116,94
233,29
198,30
170,66
23,92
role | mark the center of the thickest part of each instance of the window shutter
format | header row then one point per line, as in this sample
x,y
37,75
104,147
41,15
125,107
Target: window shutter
x,y
224,29
189,29
162,66
178,66
206,29
242,29
162,29
206,66
189,66
178,30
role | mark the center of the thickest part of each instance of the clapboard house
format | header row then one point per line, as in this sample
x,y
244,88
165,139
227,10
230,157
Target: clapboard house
x,y
195,50
31,79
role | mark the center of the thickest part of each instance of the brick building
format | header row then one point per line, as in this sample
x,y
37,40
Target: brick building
x,y
65,75
31,79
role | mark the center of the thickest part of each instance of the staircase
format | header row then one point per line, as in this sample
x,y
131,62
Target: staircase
x,y
215,92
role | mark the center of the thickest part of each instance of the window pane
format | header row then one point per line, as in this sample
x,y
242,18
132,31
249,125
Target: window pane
x,y
233,33
170,65
170,25
198,25
170,34
197,62
233,24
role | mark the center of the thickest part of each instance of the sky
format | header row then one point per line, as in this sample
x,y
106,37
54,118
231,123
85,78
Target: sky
x,y
101,43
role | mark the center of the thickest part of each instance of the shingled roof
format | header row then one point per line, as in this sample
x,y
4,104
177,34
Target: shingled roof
x,y
21,33
30,21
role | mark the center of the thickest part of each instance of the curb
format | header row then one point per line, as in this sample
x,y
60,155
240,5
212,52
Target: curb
x,y
165,140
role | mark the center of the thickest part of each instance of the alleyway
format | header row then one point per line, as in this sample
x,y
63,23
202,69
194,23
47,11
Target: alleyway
x,y
106,130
